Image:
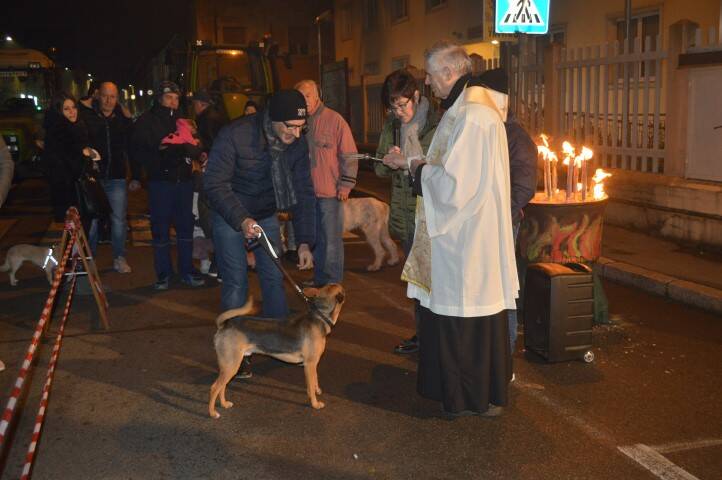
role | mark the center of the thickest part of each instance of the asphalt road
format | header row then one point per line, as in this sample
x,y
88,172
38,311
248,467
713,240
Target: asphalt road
x,y
131,403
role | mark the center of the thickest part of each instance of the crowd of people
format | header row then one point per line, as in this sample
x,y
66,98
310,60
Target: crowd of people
x,y
461,170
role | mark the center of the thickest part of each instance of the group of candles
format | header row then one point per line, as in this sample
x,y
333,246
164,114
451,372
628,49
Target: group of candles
x,y
577,171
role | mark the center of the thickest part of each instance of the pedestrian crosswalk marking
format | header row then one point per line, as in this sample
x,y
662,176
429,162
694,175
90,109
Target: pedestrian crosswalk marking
x,y
522,12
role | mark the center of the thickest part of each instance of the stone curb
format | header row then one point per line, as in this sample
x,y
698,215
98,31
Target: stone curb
x,y
690,293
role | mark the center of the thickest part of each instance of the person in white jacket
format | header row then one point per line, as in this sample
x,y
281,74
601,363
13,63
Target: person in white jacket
x,y
461,268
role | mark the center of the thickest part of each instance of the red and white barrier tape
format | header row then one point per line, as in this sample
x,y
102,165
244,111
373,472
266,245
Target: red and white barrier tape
x,y
9,412
40,418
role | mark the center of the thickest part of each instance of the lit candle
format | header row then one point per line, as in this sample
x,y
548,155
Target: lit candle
x,y
569,162
553,160
587,155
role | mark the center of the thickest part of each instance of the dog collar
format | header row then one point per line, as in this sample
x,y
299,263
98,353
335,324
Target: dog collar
x,y
49,257
325,319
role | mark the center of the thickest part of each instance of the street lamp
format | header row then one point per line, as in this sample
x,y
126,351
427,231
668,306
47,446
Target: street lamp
x,y
8,38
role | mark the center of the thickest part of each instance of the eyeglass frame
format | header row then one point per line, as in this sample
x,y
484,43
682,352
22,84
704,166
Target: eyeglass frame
x,y
301,128
400,108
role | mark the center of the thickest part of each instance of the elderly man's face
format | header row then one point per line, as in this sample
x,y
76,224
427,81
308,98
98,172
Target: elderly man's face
x,y
310,93
288,131
440,79
108,98
170,100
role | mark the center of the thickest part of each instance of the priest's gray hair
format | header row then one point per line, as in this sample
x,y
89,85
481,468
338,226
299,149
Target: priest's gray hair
x,y
448,54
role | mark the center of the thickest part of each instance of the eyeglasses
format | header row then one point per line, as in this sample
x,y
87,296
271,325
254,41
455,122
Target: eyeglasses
x,y
399,107
301,128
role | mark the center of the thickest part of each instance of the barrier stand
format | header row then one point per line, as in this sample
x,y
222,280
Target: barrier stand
x,y
73,224
40,418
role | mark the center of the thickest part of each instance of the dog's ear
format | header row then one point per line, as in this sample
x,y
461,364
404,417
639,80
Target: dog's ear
x,y
311,292
340,297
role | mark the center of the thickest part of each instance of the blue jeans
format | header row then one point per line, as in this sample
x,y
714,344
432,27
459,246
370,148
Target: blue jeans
x,y
328,251
230,256
171,203
117,192
513,320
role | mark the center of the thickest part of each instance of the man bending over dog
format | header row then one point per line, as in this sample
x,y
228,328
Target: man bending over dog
x,y
258,165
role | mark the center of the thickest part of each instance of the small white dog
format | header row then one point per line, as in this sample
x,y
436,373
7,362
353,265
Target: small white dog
x,y
43,257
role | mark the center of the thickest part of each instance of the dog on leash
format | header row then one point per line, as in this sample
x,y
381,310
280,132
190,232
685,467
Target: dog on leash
x,y
300,339
43,257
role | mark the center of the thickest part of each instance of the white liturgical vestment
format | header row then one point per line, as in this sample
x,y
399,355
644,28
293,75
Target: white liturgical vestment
x,y
462,261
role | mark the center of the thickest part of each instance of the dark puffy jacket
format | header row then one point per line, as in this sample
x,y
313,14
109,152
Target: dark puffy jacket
x,y
522,166
110,136
238,181
171,163
63,150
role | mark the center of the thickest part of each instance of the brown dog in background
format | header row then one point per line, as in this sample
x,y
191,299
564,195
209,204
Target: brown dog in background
x,y
371,216
301,338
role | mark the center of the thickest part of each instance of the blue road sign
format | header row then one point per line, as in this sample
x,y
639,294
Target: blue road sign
x,y
522,16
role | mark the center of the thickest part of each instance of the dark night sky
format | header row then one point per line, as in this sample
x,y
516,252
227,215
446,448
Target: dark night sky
x,y
108,38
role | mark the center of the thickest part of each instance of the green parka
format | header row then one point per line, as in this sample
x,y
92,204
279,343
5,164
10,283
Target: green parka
x,y
403,202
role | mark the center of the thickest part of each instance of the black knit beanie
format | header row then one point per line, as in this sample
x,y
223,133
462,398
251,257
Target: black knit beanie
x,y
287,105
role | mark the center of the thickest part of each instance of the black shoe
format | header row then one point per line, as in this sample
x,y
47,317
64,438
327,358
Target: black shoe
x,y
244,371
213,270
161,284
410,345
193,280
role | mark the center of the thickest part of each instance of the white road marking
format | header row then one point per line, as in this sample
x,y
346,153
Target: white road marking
x,y
656,463
682,446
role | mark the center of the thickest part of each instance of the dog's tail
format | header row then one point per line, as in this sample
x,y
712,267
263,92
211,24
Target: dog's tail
x,y
235,312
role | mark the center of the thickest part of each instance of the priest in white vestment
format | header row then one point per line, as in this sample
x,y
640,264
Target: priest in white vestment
x,y
461,268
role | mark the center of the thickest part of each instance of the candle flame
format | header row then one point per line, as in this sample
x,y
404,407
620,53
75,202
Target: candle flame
x,y
598,178
587,153
544,151
545,139
568,149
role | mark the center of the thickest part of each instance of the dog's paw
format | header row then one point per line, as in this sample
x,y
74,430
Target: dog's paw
x,y
318,405
373,268
215,415
391,263
226,404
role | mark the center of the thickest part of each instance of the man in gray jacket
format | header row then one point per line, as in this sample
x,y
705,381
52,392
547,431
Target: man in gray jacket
x,y
7,169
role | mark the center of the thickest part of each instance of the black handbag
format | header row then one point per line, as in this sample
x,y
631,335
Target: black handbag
x,y
91,196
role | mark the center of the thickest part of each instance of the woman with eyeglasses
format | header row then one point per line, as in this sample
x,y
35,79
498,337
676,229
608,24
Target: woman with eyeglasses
x,y
408,130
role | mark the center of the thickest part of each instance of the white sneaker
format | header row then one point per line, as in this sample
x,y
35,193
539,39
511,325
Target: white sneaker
x,y
121,266
205,266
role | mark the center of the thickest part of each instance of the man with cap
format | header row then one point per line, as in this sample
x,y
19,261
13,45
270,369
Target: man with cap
x,y
522,163
259,165
167,157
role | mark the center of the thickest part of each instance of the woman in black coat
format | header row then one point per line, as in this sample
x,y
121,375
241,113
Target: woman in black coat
x,y
66,153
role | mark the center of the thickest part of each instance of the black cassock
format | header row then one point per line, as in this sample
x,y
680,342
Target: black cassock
x,y
464,362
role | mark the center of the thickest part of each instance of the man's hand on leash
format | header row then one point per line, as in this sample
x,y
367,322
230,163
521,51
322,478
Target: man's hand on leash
x,y
247,228
305,257
343,194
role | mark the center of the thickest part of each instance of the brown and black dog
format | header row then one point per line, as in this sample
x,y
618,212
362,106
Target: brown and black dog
x,y
301,338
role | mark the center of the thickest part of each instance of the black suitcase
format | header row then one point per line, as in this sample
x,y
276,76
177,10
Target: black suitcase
x,y
559,311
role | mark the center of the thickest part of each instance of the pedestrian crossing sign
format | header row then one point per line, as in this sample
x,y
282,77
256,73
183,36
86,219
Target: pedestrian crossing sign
x,y
522,16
